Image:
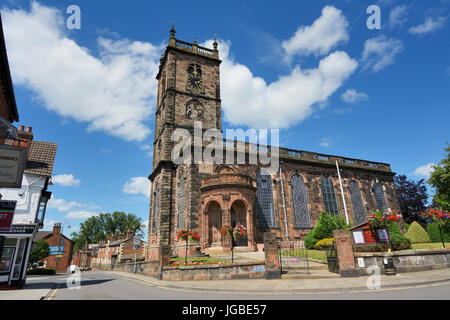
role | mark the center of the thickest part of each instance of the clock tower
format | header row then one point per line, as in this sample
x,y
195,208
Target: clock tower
x,y
188,91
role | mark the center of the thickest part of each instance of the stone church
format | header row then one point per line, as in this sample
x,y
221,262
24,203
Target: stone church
x,y
204,196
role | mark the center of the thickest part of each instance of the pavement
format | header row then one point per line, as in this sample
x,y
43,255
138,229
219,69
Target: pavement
x,y
36,288
288,286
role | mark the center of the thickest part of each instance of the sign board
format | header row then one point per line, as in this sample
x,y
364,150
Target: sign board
x,y
12,165
6,214
358,237
383,235
21,229
136,242
56,250
369,236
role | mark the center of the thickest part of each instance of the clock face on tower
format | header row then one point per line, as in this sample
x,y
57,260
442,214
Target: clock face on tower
x,y
195,77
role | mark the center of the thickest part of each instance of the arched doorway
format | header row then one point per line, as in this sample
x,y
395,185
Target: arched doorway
x,y
239,216
214,216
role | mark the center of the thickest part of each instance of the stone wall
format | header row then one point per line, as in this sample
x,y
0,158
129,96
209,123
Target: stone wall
x,y
405,261
207,272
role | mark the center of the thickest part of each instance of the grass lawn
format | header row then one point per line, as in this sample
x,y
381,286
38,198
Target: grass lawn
x,y
317,254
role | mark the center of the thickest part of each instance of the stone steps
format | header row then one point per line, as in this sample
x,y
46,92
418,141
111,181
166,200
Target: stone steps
x,y
318,274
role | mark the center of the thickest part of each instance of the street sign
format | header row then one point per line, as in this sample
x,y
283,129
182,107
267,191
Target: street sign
x,y
136,242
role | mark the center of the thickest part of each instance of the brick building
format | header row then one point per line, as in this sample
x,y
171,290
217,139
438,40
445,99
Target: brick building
x,y
116,250
203,196
60,249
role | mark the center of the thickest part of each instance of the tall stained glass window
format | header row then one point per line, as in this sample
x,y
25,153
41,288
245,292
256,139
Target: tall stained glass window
x,y
300,202
329,197
264,200
379,196
181,202
359,212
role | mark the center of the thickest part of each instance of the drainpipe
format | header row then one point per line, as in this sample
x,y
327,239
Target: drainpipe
x,y
342,192
284,204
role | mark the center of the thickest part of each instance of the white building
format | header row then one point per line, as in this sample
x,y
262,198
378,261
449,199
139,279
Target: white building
x,y
30,203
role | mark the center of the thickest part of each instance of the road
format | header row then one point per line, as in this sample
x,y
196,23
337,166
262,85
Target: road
x,y
98,285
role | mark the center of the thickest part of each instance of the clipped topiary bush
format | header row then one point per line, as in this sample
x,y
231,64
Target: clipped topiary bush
x,y
417,234
324,228
399,241
435,236
324,244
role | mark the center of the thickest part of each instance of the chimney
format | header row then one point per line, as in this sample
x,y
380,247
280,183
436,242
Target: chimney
x,y
25,138
121,236
57,228
130,234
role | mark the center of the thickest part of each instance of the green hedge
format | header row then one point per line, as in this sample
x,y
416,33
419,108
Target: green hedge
x,y
41,271
417,234
435,236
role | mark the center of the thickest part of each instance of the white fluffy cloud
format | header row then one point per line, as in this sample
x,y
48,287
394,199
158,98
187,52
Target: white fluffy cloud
x,y
424,171
66,180
398,16
431,24
137,185
114,92
63,205
81,215
248,100
380,52
352,96
329,30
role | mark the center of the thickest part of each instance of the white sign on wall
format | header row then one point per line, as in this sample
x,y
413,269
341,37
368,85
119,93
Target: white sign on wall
x,y
12,165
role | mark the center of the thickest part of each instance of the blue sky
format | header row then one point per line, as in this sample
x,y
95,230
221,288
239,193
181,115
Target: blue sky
x,y
311,68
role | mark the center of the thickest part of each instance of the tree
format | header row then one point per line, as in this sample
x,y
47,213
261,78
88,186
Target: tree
x,y
98,228
412,197
41,251
440,180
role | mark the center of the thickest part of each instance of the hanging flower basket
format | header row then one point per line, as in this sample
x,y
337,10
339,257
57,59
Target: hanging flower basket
x,y
184,235
380,219
236,232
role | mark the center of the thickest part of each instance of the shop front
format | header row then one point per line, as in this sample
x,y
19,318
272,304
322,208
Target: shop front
x,y
15,246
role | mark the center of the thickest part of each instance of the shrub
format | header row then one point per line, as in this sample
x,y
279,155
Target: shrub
x,y
399,241
406,225
41,271
417,234
324,244
435,236
310,241
327,224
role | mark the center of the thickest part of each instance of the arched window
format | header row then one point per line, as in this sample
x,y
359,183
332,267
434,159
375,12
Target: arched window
x,y
300,202
264,200
181,202
379,196
359,211
329,197
155,210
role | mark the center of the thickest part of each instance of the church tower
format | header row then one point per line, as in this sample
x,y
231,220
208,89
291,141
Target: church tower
x,y
188,91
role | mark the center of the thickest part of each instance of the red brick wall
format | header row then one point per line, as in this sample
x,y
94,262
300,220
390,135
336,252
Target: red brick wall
x,y
66,259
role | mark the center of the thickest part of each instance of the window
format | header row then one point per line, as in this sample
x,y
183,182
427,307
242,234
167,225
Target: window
x,y
300,202
264,201
359,212
45,196
379,196
181,202
6,260
329,197
155,210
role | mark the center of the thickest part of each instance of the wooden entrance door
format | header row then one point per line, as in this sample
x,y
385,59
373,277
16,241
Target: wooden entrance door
x,y
214,224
